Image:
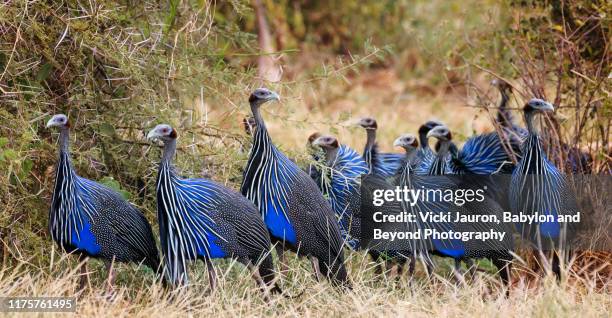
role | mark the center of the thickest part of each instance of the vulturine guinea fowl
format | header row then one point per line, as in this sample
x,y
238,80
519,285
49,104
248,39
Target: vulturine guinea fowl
x,y
504,116
410,144
405,179
340,183
294,210
424,153
538,186
92,220
202,219
578,161
317,155
481,155
512,134
383,164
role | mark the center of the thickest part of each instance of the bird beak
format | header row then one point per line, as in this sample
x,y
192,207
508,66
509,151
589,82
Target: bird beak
x,y
317,142
274,96
548,107
152,134
432,133
397,142
50,123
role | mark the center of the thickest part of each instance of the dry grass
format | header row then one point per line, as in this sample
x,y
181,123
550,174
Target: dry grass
x,y
237,295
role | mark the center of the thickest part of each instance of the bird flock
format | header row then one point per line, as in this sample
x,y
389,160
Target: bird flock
x,y
314,212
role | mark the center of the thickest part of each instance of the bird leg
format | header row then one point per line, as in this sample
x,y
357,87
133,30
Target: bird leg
x,y
395,271
556,265
110,281
257,276
212,275
316,268
471,267
84,280
429,267
411,266
280,251
457,271
378,270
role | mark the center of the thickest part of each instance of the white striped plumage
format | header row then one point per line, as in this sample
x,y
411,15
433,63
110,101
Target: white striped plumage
x,y
187,231
267,175
536,184
93,219
340,183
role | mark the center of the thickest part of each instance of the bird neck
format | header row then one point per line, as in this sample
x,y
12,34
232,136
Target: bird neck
x,y
169,151
64,155
529,121
64,140
444,147
371,139
504,99
423,140
410,155
257,116
330,156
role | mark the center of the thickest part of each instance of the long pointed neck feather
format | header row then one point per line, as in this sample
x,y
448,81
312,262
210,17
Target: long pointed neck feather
x,y
439,165
261,133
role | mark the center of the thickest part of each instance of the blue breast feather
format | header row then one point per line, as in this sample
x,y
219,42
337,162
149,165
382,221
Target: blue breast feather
x,y
84,210
277,174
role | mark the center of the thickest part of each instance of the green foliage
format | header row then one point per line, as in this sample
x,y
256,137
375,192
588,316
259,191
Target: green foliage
x,y
113,184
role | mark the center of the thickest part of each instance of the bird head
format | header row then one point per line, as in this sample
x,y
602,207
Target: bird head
x,y
163,132
429,125
368,123
261,96
441,133
326,142
313,137
59,120
536,105
406,141
502,85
